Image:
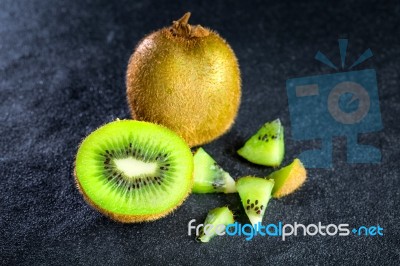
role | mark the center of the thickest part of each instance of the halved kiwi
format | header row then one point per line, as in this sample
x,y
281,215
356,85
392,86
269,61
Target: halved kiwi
x,y
254,193
288,178
215,218
267,146
134,171
209,177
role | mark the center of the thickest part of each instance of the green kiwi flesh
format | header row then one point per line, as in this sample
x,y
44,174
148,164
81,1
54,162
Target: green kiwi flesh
x,y
215,217
267,146
254,193
134,171
209,177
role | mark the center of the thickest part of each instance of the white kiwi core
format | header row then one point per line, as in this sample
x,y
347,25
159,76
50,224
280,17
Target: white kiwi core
x,y
132,167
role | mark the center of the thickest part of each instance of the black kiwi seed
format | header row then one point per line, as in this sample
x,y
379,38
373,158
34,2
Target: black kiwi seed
x,y
248,201
262,206
256,202
252,205
256,209
248,208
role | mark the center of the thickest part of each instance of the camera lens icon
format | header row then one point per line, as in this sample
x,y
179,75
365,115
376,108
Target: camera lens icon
x,y
358,93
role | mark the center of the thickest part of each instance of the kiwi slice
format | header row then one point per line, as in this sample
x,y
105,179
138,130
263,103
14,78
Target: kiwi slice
x,y
254,193
267,146
214,219
209,177
288,179
134,171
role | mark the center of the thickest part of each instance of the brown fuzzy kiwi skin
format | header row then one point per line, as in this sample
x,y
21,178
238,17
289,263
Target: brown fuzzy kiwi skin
x,y
292,184
189,82
124,218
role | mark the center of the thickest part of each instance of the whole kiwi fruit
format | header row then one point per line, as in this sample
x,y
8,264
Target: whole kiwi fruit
x,y
186,78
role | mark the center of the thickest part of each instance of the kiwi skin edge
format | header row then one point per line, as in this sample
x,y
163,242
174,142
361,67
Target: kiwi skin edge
x,y
124,218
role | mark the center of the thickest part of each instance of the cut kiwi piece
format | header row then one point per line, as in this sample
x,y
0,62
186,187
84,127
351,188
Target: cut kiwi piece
x,y
267,146
288,179
209,177
215,218
134,171
254,193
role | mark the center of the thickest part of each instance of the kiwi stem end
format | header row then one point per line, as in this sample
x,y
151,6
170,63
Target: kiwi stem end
x,y
182,28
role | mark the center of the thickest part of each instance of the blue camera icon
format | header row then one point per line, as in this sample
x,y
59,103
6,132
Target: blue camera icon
x,y
339,104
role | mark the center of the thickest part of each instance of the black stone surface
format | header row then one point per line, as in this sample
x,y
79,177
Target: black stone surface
x,y
62,66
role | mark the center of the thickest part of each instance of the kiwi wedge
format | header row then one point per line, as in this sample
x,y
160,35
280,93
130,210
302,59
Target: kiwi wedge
x,y
134,171
209,177
288,179
267,146
254,193
215,218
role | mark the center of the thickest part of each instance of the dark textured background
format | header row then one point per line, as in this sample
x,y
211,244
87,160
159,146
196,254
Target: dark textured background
x,y
62,68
